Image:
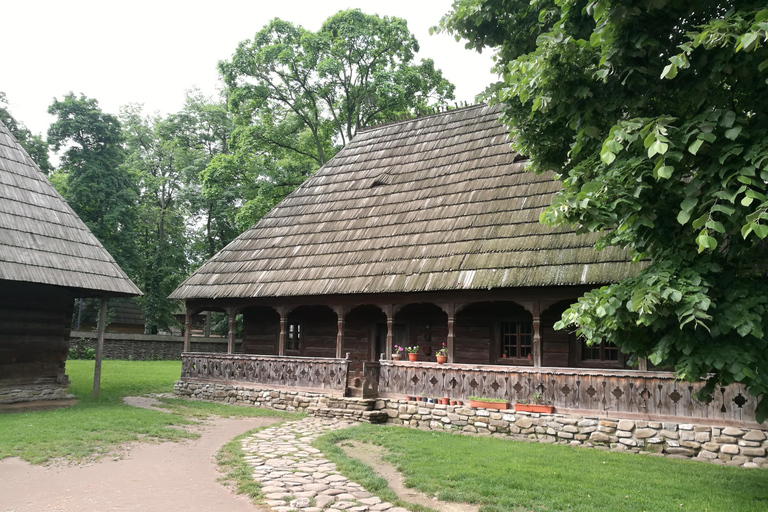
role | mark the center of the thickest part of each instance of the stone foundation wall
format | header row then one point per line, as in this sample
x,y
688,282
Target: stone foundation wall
x,y
34,393
723,445
147,347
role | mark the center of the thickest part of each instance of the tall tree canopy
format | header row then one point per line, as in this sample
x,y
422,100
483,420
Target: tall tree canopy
x,y
33,144
299,96
653,115
96,184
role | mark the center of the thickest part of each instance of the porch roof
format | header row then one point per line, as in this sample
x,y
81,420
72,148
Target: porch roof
x,y
434,203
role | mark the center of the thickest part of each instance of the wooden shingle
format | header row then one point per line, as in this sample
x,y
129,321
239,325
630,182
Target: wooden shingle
x,y
42,240
436,203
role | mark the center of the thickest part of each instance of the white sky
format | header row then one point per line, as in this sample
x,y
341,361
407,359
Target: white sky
x,y
151,52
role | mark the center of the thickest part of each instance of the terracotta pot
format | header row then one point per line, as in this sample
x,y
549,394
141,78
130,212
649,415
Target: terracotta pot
x,y
488,405
547,409
411,398
452,402
413,357
445,401
441,359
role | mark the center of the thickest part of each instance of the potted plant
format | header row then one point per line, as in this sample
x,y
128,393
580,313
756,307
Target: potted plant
x,y
488,403
413,353
398,353
441,355
445,401
537,403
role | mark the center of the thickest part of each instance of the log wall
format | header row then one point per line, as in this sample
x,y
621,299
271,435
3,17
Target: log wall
x,y
34,339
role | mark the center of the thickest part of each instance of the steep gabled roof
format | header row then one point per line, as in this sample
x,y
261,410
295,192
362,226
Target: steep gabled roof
x,y
434,203
42,240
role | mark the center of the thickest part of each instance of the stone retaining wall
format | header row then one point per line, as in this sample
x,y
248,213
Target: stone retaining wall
x,y
34,393
147,347
724,445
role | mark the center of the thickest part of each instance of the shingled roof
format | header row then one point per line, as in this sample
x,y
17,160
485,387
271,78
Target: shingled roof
x,y
439,202
42,240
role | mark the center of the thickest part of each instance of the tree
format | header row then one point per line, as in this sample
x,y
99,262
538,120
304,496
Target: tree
x,y
34,145
653,116
308,92
97,186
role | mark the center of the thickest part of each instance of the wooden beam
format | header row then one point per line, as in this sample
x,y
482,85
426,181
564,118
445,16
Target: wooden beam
x,y
283,324
99,347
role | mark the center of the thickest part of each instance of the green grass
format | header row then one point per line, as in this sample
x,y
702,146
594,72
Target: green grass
x,y
94,427
503,475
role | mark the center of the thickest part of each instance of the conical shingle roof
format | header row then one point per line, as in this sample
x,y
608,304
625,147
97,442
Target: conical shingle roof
x,y
42,240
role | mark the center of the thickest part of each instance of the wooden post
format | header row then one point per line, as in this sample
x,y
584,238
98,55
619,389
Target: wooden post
x,y
187,330
283,323
390,311
340,331
231,338
537,349
642,364
99,347
450,310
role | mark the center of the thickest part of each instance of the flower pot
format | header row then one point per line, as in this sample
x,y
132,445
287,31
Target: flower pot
x,y
411,398
423,399
489,405
396,356
441,359
547,409
413,357
445,401
452,402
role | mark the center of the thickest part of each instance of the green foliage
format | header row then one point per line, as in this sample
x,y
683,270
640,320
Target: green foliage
x,y
653,116
298,96
34,145
100,190
502,475
78,350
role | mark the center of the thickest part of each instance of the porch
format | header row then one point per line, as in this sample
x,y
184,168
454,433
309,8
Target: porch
x,y
616,393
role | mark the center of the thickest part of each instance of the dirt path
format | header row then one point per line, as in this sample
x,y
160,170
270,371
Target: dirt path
x,y
371,455
163,477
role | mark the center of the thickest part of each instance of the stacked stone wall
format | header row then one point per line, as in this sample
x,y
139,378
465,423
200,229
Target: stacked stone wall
x,y
735,446
34,393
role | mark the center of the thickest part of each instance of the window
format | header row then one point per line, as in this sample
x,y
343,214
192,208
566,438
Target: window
x,y
602,352
516,339
293,337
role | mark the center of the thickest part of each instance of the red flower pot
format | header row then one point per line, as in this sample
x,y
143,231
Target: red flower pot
x,y
413,357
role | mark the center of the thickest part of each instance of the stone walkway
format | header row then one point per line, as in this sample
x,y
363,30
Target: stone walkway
x,y
296,477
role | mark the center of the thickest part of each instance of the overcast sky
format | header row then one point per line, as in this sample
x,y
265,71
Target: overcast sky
x,y
151,52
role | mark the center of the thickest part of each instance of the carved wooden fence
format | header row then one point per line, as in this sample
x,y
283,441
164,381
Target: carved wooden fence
x,y
299,372
623,392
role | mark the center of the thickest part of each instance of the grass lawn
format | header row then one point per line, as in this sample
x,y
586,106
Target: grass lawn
x,y
95,426
503,475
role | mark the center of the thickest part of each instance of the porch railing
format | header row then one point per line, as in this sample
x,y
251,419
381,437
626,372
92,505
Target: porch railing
x,y
305,373
625,393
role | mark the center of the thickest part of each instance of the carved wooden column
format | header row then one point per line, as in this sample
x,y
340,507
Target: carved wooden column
x,y
534,308
450,310
340,313
389,310
187,330
232,312
642,364
283,323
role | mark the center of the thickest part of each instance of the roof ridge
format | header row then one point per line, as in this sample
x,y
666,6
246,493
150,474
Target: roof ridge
x,y
433,111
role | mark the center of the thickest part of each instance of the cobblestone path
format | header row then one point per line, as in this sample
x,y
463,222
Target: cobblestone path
x,y
296,477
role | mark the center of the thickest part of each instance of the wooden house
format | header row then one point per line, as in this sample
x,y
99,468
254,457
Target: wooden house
x,y
425,233
48,257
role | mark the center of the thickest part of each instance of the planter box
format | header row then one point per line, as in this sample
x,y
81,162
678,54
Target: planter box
x,y
547,409
488,405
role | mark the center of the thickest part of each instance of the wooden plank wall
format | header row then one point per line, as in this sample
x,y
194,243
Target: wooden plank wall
x,y
34,334
261,331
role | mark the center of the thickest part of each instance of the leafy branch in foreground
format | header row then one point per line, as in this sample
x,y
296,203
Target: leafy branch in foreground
x,y
653,117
